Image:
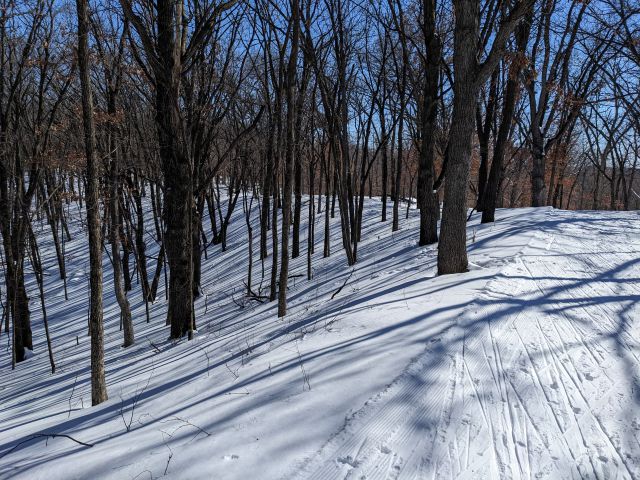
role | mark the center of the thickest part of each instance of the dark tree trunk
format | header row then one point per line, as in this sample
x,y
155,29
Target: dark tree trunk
x,y
37,268
115,225
327,226
452,250
297,188
510,98
289,160
264,212
538,171
484,135
469,75
115,235
398,170
98,383
177,170
385,167
427,199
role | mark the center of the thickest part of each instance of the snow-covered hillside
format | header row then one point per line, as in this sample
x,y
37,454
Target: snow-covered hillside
x,y
528,366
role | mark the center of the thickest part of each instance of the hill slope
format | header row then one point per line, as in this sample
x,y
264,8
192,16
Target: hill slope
x,y
527,366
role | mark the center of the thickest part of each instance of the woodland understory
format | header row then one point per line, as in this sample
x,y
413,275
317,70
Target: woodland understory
x,y
154,115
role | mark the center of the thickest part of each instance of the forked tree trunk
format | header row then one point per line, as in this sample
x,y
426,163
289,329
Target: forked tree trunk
x,y
510,98
469,75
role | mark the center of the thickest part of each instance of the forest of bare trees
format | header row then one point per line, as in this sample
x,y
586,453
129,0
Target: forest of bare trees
x,y
148,113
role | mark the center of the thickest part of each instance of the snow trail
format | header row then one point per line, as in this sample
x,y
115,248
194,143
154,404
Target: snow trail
x,y
538,379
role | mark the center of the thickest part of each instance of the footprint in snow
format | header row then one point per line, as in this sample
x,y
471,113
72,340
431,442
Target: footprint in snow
x,y
348,460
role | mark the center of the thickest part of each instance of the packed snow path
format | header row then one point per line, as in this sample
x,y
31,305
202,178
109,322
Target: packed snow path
x,y
538,379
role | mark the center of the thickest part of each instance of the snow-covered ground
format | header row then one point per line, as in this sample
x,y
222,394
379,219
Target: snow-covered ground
x,y
528,366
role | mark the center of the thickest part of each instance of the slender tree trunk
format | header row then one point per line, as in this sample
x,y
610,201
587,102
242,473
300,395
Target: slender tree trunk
x,y
510,98
297,188
98,383
115,227
385,167
484,135
289,160
398,170
327,226
264,213
274,238
311,223
37,268
114,232
427,199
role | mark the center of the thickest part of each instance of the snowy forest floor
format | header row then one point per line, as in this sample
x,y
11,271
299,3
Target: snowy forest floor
x,y
528,366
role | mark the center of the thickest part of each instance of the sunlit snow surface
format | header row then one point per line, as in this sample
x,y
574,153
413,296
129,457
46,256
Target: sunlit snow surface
x,y
525,367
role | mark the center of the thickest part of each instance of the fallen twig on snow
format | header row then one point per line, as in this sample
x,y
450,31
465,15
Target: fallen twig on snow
x,y
45,435
342,286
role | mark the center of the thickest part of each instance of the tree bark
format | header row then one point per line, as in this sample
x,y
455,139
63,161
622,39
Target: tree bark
x,y
452,250
289,160
469,75
98,383
427,199
510,98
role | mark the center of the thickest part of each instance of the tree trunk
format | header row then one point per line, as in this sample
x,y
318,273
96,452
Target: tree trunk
x,y
116,226
37,268
264,212
452,250
484,135
510,98
177,170
297,188
327,226
289,161
427,199
385,167
114,232
537,171
398,170
98,384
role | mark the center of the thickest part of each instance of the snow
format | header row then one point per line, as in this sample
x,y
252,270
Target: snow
x,y
527,366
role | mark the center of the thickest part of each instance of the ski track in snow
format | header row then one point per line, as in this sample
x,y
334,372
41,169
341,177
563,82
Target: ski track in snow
x,y
522,386
526,367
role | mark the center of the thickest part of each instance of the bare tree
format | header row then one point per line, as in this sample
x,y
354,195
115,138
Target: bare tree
x,y
98,383
470,73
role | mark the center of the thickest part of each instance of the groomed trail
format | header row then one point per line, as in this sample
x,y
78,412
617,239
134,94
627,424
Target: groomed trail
x,y
539,378
525,367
